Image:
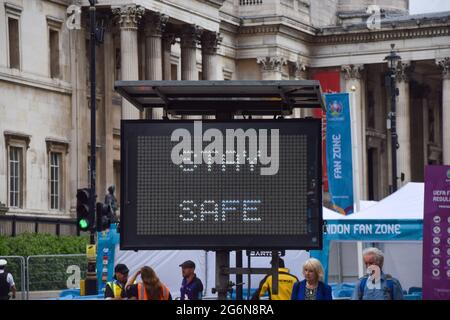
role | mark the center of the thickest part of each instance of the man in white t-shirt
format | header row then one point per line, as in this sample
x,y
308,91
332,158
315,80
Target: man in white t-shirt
x,y
7,284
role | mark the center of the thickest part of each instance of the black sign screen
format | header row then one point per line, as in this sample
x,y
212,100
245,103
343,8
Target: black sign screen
x,y
264,195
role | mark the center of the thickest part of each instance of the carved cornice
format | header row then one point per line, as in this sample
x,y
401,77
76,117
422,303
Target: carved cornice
x,y
340,35
260,29
384,35
155,24
215,3
444,63
190,36
273,63
352,71
128,16
210,42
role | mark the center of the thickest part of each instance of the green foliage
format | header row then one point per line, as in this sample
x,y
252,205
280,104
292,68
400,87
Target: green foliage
x,y
45,273
30,244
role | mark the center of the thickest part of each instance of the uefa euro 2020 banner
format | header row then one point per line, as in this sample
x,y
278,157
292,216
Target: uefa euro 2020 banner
x,y
436,234
339,152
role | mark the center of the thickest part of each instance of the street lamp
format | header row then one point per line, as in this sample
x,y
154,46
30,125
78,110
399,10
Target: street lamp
x,y
393,59
92,43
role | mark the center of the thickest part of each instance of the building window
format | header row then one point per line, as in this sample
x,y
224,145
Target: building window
x,y
55,180
16,146
54,26
13,13
173,71
14,43
15,177
54,53
56,151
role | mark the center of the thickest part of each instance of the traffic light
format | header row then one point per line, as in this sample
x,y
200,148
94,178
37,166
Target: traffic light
x,y
85,220
104,215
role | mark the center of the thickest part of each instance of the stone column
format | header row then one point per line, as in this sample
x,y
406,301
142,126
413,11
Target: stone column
x,y
271,67
210,42
168,40
128,18
107,152
190,37
445,65
403,123
354,84
155,24
270,70
297,71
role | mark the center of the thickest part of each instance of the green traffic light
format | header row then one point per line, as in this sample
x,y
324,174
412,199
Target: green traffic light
x,y
83,223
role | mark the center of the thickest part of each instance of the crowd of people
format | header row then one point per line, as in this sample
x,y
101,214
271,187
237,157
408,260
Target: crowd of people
x,y
375,285
151,288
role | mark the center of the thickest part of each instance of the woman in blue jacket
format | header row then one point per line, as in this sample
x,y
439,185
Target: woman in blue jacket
x,y
313,287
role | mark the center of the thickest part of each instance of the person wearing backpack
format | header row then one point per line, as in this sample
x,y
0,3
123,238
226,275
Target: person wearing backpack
x,y
7,285
372,287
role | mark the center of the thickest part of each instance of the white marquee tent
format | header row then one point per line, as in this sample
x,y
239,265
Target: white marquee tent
x,y
395,221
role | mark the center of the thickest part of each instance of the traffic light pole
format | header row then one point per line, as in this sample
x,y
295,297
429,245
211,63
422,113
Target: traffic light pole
x,y
91,287
92,164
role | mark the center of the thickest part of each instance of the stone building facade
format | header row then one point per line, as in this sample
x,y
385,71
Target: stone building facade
x,y
44,80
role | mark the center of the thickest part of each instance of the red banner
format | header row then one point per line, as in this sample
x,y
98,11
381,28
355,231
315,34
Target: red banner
x,y
330,80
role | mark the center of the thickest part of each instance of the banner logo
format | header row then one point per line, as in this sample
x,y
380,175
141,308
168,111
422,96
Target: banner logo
x,y
335,109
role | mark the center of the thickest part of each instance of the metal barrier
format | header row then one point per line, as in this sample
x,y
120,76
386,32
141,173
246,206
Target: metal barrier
x,y
47,273
14,264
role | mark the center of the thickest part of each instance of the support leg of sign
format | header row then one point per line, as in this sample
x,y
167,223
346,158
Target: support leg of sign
x,y
275,264
222,278
239,278
222,256
249,276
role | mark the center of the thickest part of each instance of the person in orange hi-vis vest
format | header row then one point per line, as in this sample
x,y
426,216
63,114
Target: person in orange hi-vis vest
x,y
151,288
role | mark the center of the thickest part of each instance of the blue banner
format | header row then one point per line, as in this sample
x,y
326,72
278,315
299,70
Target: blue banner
x,y
374,230
339,152
106,247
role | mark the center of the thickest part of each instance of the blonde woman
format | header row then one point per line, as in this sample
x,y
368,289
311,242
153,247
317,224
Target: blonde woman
x,y
313,287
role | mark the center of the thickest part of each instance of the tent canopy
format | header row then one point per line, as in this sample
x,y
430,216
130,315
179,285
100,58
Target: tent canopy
x,y
398,217
405,204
